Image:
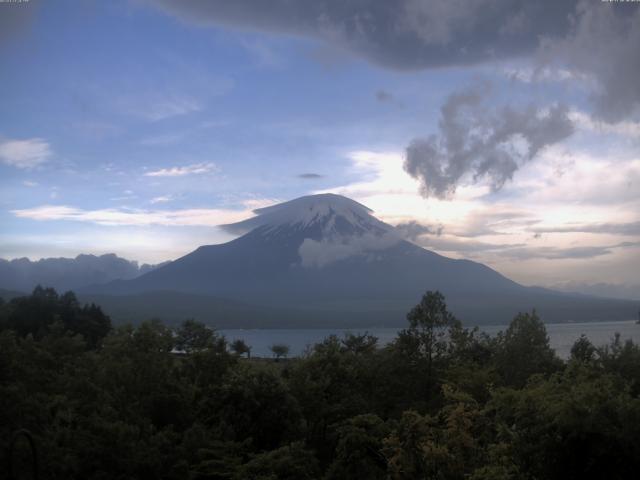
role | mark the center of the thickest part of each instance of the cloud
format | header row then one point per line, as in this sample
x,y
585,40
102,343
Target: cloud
x,y
196,168
318,254
529,74
29,183
631,228
383,96
24,153
493,220
482,142
120,217
582,40
406,35
463,246
518,251
610,290
411,230
625,128
555,253
310,176
603,43
161,199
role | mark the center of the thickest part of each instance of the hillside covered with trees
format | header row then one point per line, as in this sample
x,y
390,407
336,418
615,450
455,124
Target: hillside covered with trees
x,y
439,402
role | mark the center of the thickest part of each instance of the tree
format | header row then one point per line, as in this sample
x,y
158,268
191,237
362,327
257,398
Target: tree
x,y
253,404
240,347
290,462
38,313
279,350
524,350
428,323
193,336
583,350
359,344
358,453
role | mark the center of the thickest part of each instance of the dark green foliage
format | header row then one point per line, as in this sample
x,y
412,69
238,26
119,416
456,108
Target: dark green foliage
x,y
255,406
358,452
583,350
279,350
440,402
193,336
290,462
523,350
45,310
240,347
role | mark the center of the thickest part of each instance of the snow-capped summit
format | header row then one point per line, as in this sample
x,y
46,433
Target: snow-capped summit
x,y
325,259
327,215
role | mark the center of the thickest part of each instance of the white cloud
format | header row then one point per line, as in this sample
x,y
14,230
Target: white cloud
x,y
527,74
255,203
584,121
321,253
29,183
161,199
209,217
195,168
24,153
561,188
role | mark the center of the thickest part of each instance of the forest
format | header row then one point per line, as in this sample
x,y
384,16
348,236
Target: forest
x,y
441,401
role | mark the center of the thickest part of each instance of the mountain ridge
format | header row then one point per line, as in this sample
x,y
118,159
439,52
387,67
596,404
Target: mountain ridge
x,y
63,273
327,255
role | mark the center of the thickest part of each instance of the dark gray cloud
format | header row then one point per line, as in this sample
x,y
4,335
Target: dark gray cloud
x,y
402,34
631,228
479,141
310,176
603,44
412,230
589,37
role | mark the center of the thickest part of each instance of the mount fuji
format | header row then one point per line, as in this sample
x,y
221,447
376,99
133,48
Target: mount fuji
x,y
325,260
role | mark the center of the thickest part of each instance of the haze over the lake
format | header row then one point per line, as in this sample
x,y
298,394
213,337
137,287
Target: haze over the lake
x,y
507,132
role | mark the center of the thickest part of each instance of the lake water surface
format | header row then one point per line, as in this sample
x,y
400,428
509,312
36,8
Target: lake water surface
x,y
561,335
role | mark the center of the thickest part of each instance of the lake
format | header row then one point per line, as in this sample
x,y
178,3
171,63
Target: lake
x,y
561,335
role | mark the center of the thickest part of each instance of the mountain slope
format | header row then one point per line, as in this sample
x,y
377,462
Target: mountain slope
x,y
67,273
327,256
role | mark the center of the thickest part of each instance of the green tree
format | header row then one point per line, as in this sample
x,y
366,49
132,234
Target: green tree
x,y
523,350
37,313
193,336
290,462
362,344
279,350
240,347
255,405
583,350
359,450
428,324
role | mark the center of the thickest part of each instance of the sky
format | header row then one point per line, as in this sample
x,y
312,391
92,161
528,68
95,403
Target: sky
x,y
506,132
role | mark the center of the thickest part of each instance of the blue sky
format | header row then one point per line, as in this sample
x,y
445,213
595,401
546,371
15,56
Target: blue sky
x,y
135,127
